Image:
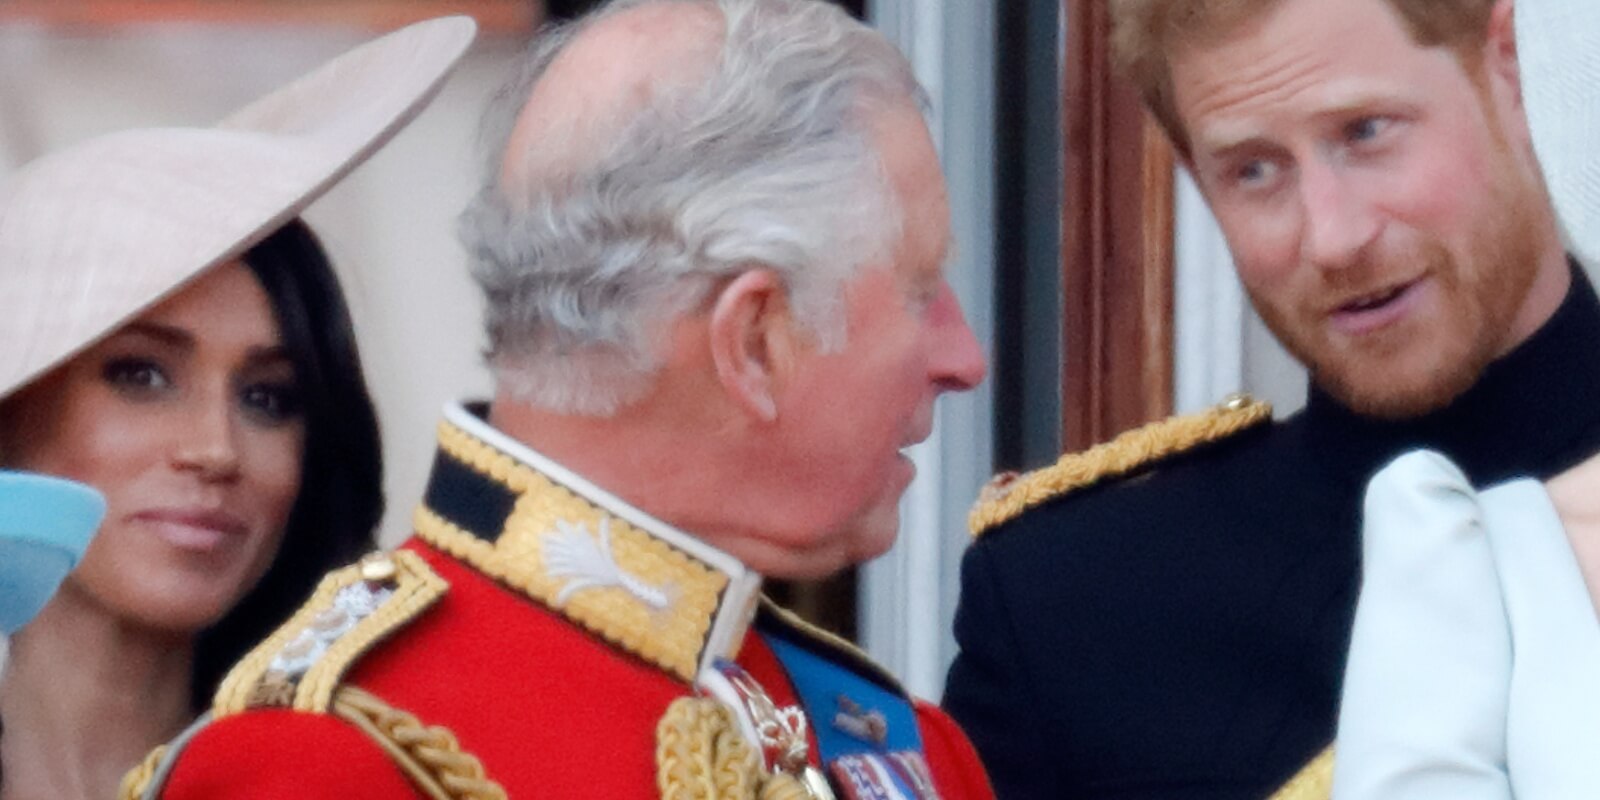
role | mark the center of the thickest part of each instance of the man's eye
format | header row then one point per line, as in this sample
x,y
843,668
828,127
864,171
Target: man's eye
x,y
1365,129
1254,173
136,375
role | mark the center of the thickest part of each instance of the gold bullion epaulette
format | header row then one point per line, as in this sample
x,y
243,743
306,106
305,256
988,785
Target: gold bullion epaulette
x,y
301,667
301,664
1010,494
1314,781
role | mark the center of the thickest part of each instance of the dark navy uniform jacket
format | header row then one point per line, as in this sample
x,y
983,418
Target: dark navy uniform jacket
x,y
1181,633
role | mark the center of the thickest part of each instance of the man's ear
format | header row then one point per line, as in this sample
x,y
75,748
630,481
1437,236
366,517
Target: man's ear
x,y
1500,63
752,339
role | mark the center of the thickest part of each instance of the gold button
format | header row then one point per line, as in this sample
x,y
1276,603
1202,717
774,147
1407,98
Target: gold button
x,y
1238,401
377,568
998,487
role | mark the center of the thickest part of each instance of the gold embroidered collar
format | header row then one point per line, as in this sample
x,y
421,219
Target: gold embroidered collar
x,y
622,575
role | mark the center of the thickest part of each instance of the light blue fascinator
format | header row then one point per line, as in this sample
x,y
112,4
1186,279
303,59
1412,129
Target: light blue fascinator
x,y
45,525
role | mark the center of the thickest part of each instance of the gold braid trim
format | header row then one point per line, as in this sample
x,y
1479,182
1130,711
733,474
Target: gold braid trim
x,y
416,588
1314,781
251,683
1009,495
428,754
700,755
673,637
137,780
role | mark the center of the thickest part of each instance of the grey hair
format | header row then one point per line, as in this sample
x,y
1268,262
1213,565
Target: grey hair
x,y
767,162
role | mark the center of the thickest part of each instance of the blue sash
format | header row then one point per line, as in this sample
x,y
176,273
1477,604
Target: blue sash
x,y
867,733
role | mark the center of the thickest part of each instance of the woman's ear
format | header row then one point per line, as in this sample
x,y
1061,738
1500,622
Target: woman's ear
x,y
752,341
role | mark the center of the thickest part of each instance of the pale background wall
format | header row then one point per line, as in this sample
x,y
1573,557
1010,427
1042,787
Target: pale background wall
x,y
908,597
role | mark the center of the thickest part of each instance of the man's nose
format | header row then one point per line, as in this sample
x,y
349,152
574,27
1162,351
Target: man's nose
x,y
957,362
1339,221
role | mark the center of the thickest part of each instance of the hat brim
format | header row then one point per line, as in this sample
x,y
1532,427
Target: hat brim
x,y
94,235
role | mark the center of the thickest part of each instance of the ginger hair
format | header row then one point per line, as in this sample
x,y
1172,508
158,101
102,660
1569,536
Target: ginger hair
x,y
1144,33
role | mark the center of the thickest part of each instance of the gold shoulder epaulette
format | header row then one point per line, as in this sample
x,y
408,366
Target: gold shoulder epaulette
x,y
300,665
1010,494
836,646
1314,781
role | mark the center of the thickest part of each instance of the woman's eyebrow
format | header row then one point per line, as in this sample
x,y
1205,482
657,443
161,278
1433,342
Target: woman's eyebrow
x,y
269,355
165,334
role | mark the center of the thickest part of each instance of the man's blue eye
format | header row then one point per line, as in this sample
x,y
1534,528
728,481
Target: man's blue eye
x,y
1364,129
1253,172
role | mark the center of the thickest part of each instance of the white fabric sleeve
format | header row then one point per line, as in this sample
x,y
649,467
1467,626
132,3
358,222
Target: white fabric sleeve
x,y
1553,721
1424,708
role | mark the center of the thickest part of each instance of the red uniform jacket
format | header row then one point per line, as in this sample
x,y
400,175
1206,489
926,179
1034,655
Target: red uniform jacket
x,y
545,624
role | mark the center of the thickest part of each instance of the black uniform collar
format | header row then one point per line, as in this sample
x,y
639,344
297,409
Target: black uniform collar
x,y
1527,411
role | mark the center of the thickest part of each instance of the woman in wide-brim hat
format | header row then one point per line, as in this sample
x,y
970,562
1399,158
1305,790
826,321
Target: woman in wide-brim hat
x,y
1474,669
172,335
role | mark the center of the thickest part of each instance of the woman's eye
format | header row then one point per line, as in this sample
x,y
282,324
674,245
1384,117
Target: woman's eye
x,y
136,376
273,402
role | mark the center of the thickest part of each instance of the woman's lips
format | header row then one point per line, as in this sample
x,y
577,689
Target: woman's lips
x,y
193,529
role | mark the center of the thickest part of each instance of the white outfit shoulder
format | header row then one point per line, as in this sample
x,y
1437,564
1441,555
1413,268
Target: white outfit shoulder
x,y
1474,668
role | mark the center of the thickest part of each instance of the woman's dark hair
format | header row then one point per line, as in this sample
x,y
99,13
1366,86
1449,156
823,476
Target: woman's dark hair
x,y
341,495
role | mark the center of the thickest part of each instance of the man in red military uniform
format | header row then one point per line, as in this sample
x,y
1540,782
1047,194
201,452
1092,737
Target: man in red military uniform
x,y
712,244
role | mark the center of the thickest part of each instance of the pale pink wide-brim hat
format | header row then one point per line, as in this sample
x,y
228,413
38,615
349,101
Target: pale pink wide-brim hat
x,y
1558,51
93,235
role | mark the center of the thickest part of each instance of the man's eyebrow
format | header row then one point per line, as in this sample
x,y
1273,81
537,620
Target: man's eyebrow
x,y
1228,139
1363,104
1228,150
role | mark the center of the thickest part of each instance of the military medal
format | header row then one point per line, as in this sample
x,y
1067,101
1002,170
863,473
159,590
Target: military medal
x,y
871,727
779,733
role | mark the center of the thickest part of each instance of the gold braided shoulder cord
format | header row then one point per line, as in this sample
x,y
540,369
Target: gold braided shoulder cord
x,y
250,684
428,754
137,780
416,589
701,755
1314,781
1009,495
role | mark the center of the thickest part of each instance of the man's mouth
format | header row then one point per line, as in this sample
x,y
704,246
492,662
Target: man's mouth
x,y
1373,301
1375,310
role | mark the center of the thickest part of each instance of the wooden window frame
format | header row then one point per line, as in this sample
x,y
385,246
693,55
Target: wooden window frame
x,y
1116,244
